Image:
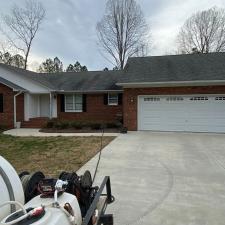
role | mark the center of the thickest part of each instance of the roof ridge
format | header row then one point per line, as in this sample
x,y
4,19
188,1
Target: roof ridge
x,y
17,68
176,55
73,72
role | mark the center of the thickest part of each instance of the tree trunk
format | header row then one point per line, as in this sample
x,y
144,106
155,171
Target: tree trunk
x,y
26,55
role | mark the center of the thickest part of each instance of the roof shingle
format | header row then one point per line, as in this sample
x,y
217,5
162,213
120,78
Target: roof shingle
x,y
73,81
175,68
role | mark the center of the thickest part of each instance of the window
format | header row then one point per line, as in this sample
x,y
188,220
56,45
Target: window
x,y
152,99
174,99
199,98
1,103
112,99
220,98
73,103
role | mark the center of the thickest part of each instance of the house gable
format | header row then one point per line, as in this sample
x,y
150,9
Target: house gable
x,y
13,77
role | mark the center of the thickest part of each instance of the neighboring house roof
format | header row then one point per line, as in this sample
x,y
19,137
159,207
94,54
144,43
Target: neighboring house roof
x,y
175,68
11,85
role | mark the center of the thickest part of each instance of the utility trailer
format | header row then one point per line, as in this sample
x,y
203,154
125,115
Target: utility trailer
x,y
100,202
70,199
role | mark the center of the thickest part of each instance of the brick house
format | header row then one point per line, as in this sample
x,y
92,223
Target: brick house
x,y
159,93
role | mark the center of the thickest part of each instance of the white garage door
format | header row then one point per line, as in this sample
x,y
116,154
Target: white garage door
x,y
198,113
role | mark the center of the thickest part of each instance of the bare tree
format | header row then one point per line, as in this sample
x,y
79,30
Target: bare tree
x,y
22,24
203,32
122,32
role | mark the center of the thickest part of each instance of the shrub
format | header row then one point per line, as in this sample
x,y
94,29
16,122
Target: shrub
x,y
95,126
62,125
86,124
81,124
76,125
113,125
3,127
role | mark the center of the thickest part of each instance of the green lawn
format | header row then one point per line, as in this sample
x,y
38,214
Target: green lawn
x,y
51,155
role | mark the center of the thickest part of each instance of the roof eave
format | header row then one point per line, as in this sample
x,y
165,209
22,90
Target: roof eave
x,y
12,87
15,90
172,83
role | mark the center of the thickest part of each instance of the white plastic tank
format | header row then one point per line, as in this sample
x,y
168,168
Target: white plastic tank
x,y
55,216
10,187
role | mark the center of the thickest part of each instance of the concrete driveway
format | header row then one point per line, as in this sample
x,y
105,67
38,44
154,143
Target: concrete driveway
x,y
165,178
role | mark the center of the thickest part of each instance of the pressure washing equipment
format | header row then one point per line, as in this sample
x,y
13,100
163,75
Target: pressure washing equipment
x,y
34,199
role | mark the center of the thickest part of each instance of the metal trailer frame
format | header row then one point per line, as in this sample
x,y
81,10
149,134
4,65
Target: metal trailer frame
x,y
105,219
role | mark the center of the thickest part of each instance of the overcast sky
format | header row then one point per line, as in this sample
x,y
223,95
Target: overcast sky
x,y
69,30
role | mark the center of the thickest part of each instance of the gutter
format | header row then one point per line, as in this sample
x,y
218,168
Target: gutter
x,y
89,91
14,102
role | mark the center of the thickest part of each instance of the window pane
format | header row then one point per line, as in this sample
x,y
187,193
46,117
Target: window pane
x,y
78,107
113,99
69,102
69,98
73,103
78,99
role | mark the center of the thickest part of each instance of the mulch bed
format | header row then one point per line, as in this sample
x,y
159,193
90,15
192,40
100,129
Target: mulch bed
x,y
54,130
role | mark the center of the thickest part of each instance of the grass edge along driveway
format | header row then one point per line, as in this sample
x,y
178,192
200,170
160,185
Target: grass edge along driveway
x,y
51,155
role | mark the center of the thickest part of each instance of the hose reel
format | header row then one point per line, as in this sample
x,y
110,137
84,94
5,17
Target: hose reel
x,y
30,183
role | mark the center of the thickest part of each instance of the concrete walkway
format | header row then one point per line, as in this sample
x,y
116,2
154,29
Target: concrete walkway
x,y
165,178
24,132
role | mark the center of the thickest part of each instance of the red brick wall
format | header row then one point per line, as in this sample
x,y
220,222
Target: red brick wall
x,y
130,98
6,118
95,111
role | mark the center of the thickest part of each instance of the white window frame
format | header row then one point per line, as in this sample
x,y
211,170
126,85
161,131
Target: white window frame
x,y
110,99
74,103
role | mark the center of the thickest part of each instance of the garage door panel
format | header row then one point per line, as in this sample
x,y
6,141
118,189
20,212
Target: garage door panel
x,y
185,113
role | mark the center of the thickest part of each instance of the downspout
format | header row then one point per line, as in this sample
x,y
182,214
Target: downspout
x,y
50,105
20,92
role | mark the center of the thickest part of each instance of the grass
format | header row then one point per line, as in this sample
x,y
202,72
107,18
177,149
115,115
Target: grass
x,y
51,155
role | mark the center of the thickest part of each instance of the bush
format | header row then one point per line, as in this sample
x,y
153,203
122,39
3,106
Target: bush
x,y
76,125
95,126
62,125
57,124
113,125
3,127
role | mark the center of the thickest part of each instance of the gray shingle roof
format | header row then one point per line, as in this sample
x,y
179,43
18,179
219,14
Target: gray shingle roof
x,y
83,81
171,68
11,85
175,68
73,81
